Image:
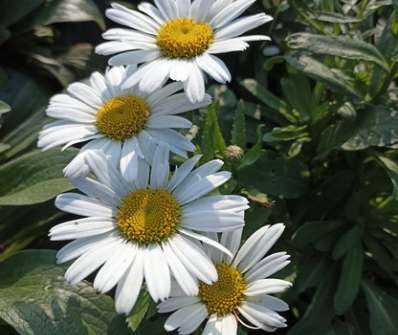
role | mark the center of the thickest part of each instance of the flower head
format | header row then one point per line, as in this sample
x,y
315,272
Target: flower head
x,y
145,229
178,39
241,293
125,124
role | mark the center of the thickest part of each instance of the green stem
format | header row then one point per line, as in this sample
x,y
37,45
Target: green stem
x,y
386,83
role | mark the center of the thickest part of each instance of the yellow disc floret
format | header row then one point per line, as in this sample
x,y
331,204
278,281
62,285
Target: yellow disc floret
x,y
184,38
122,117
225,295
148,216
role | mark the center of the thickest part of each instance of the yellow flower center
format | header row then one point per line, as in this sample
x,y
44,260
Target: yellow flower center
x,y
184,38
225,295
148,216
123,117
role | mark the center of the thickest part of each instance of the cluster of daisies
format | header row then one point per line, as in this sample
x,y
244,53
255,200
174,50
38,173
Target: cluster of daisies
x,y
144,225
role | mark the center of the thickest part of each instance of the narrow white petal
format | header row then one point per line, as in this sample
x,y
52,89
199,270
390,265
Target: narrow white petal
x,y
194,259
160,167
194,86
168,121
231,240
200,9
168,8
202,187
212,221
85,94
257,246
115,267
274,303
267,286
267,267
211,326
155,76
79,247
184,8
214,67
182,172
172,304
264,315
129,159
159,95
134,57
229,325
156,268
231,12
232,203
129,286
192,323
81,205
143,174
152,11
179,317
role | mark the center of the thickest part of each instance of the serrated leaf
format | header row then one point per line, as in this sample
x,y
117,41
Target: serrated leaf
x,y
34,177
383,310
337,46
35,299
334,78
350,280
275,176
238,133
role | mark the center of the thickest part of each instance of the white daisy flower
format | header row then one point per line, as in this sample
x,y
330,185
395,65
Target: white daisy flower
x,y
178,39
124,124
242,292
149,229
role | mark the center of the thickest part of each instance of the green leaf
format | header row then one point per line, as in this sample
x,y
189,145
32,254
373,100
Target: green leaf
x,y
346,242
34,177
335,79
269,99
392,169
275,176
350,280
255,152
13,11
383,310
139,311
283,134
212,138
35,299
337,46
319,314
238,136
331,17
311,232
4,107
376,126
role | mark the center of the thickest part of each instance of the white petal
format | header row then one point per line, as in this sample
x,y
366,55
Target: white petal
x,y
156,267
151,11
268,266
212,325
264,315
129,286
194,321
242,25
257,246
266,286
172,304
79,247
232,203
129,159
200,9
194,86
214,67
212,221
168,8
94,189
88,263
229,45
202,187
231,240
194,259
231,12
181,316
163,93
81,205
115,267
122,34
182,172
106,173
180,69
155,76
134,57
132,19
274,303
229,325
160,167
168,121
143,174
184,8
86,94
207,240
173,138
186,281
81,228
